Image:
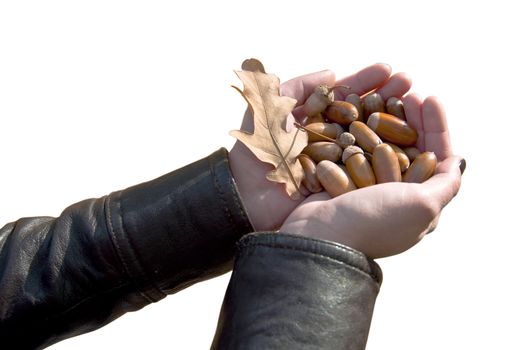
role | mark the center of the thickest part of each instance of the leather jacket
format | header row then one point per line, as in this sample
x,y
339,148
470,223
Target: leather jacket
x,y
65,276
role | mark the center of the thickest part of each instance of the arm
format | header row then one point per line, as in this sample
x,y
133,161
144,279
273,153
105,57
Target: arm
x,y
305,290
293,292
64,276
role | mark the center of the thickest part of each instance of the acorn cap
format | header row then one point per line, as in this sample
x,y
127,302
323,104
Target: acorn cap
x,y
373,120
346,139
349,151
325,92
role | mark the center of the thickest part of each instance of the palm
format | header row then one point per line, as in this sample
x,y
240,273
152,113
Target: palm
x,y
387,219
267,203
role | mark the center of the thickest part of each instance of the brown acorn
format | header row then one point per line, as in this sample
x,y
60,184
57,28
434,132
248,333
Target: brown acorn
x,y
364,136
323,150
358,167
385,164
341,112
422,168
356,101
333,178
325,129
392,129
395,107
403,159
310,180
411,152
318,100
373,103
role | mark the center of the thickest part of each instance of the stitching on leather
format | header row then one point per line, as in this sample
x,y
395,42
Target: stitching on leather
x,y
356,268
220,192
236,197
237,201
136,260
117,245
114,234
251,241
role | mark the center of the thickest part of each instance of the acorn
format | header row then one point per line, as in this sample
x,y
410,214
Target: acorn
x,y
395,107
318,100
325,129
358,167
403,159
411,152
364,136
392,129
341,112
373,103
422,168
385,164
356,101
323,150
310,181
339,128
333,178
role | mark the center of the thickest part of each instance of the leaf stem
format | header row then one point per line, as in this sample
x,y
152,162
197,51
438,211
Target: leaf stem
x,y
299,126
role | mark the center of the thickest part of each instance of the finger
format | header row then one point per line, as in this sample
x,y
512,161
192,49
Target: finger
x,y
437,137
301,87
445,184
397,85
412,104
299,113
364,80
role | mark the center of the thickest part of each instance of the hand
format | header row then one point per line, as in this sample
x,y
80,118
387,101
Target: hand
x,y
267,203
387,219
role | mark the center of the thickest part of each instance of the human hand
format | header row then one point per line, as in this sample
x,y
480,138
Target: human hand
x,y
387,219
267,203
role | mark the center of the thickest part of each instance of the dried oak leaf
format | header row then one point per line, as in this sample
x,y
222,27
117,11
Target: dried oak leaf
x,y
271,142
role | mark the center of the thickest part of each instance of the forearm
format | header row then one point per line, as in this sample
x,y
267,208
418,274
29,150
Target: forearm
x,y
292,292
100,258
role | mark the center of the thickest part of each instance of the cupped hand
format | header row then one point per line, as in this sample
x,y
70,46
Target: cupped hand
x,y
267,203
387,219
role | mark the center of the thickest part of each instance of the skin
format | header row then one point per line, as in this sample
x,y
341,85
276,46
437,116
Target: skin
x,y
380,220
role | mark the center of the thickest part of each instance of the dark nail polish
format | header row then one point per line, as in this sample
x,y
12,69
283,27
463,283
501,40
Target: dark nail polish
x,y
462,165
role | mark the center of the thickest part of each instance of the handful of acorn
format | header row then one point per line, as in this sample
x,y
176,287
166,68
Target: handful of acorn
x,y
359,142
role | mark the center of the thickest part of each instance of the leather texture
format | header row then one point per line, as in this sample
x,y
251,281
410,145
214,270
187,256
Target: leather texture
x,y
101,258
292,292
65,276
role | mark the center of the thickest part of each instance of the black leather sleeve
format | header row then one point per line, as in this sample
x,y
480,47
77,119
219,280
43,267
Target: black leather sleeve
x,y
64,276
291,292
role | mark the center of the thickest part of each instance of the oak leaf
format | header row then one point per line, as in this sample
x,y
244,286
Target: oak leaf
x,y
275,140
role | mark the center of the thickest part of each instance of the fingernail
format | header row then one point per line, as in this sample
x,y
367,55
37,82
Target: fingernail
x,y
462,165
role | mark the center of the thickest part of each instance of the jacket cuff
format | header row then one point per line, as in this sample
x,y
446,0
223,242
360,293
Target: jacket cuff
x,y
180,228
292,292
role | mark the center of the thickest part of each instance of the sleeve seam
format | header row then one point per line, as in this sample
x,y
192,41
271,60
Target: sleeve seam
x,y
118,249
284,247
220,193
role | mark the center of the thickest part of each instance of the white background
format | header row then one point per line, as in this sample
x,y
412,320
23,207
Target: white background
x,y
96,96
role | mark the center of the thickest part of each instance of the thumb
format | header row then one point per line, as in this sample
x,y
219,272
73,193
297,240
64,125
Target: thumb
x,y
445,183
